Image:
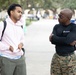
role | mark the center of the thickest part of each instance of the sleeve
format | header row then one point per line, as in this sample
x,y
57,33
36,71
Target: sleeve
x,y
71,36
2,45
65,40
58,40
55,39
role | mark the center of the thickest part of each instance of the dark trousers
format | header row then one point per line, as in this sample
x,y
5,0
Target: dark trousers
x,y
12,66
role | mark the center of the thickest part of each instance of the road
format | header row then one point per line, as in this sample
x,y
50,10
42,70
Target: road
x,y
39,50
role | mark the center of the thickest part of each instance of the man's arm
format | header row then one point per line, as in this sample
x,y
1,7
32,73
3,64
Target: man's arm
x,y
2,44
58,40
71,37
54,39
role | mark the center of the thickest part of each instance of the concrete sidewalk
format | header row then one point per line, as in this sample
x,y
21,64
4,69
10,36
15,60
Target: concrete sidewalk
x,y
39,50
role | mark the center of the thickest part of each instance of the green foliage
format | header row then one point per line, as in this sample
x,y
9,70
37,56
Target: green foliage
x,y
45,4
5,3
69,4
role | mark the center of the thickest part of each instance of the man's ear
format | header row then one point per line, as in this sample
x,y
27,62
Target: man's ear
x,y
11,12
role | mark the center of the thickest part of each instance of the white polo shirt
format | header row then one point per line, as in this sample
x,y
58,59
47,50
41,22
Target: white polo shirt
x,y
13,36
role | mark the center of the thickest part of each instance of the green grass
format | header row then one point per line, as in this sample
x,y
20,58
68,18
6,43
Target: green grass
x,y
28,22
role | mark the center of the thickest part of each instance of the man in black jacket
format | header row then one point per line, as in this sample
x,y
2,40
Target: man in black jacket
x,y
63,37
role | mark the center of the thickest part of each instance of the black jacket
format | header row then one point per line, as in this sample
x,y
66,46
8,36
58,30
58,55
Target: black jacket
x,y
63,36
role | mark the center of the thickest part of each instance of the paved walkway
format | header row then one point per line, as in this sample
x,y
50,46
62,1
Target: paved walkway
x,y
39,50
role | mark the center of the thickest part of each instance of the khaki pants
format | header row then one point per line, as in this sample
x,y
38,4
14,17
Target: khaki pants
x,y
63,65
12,67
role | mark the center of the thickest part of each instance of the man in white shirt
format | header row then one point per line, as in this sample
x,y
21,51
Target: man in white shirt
x,y
12,60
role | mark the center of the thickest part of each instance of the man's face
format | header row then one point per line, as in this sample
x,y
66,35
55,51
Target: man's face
x,y
17,13
62,18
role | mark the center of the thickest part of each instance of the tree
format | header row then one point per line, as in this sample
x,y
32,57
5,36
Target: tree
x,y
45,4
4,4
69,4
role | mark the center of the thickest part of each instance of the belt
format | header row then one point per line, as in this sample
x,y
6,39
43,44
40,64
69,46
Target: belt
x,y
68,54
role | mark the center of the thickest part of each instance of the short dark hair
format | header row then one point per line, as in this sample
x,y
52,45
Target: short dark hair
x,y
12,7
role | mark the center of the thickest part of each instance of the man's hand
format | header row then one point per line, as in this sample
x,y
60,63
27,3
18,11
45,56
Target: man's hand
x,y
11,48
20,46
73,43
50,37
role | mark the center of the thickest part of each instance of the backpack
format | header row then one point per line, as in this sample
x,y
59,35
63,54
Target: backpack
x,y
3,29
